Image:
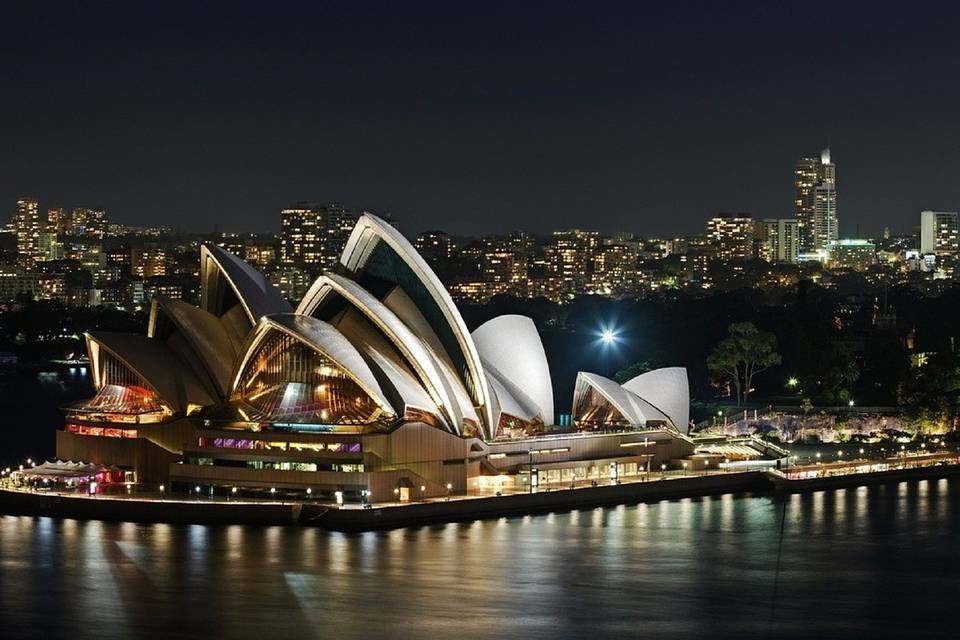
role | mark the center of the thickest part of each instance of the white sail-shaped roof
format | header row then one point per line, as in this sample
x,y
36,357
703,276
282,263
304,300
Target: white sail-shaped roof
x,y
511,400
153,361
325,340
668,390
257,296
451,402
206,336
401,265
616,395
511,345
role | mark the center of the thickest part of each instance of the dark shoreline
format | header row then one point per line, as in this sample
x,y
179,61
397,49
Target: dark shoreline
x,y
456,510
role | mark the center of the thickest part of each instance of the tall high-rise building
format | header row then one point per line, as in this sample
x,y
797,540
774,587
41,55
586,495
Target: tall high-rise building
x,y
58,221
731,235
28,226
939,232
825,223
569,258
89,221
777,239
815,202
313,235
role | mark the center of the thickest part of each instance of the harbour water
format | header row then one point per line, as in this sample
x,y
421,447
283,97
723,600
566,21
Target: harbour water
x,y
866,562
879,561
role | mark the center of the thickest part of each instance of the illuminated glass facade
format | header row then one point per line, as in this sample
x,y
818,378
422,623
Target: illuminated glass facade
x,y
287,381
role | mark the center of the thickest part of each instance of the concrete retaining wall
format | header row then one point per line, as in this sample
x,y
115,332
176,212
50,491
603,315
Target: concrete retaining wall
x,y
132,510
523,504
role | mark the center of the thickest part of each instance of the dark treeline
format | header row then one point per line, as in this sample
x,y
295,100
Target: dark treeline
x,y
837,345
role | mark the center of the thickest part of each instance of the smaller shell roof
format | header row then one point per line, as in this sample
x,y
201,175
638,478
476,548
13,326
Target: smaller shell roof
x,y
257,295
323,338
668,390
174,382
205,334
623,400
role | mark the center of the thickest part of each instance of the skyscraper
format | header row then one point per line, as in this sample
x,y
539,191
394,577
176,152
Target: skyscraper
x,y
731,235
312,235
939,232
815,202
777,239
28,226
89,221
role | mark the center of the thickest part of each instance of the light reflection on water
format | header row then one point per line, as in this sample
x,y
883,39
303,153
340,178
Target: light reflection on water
x,y
878,560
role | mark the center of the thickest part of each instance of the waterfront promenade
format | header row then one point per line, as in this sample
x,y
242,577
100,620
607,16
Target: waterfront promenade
x,y
487,501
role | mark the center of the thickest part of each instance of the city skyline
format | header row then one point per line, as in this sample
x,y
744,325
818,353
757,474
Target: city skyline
x,y
428,116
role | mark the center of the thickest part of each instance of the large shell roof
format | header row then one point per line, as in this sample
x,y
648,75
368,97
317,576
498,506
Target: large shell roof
x,y
511,346
376,249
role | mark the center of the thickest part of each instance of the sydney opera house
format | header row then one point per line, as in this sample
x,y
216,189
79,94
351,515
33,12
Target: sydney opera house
x,y
372,386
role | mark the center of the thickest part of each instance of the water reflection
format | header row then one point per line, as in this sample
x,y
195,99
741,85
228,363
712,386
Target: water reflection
x,y
875,560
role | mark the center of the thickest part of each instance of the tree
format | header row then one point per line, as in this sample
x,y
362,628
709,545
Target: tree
x,y
637,368
743,354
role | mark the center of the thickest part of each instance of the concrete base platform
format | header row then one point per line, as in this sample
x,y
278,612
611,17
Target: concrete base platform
x,y
542,502
133,510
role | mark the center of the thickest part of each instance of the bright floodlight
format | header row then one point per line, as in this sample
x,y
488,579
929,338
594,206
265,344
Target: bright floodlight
x,y
608,336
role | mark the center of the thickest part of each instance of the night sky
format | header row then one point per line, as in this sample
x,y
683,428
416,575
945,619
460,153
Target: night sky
x,y
479,118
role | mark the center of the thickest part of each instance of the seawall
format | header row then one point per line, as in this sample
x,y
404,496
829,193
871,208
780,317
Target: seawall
x,y
389,517
134,510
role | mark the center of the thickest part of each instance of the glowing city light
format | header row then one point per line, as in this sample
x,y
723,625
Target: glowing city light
x,y
608,336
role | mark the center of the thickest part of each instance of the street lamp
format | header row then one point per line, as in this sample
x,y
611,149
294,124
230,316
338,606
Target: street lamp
x,y
161,490
608,336
449,489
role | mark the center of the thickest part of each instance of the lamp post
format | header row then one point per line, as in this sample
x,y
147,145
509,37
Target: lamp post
x,y
449,490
